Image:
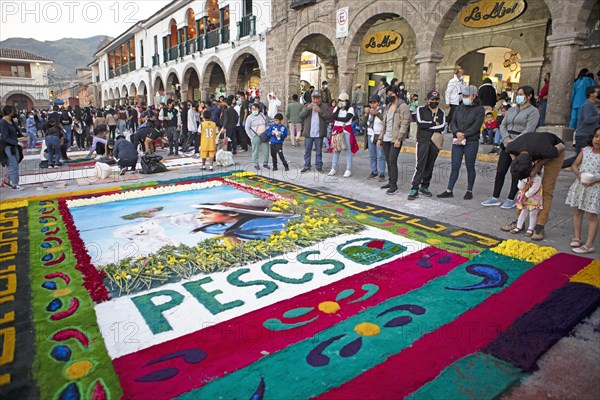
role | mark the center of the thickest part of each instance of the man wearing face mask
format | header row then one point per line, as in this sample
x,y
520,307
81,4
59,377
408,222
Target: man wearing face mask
x,y
314,118
430,119
454,92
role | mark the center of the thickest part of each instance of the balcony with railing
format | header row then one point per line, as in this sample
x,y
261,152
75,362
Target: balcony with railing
x,y
173,53
212,39
247,26
111,74
155,60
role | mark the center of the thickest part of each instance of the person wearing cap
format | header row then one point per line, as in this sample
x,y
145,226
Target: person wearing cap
x,y
277,133
314,117
373,120
430,119
465,128
454,91
396,123
342,137
241,219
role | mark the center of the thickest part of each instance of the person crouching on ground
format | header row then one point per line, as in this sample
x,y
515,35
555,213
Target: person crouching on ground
x,y
208,140
125,154
99,142
277,133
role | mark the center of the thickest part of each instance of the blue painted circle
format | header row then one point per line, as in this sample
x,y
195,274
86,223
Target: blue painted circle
x,y
47,257
44,229
61,353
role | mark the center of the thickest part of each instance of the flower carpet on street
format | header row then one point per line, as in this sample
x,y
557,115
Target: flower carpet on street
x,y
236,285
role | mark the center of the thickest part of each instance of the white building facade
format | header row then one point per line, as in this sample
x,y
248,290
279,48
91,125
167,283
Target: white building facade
x,y
24,79
189,50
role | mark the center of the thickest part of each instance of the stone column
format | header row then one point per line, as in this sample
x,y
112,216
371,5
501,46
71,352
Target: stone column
x,y
345,81
428,63
565,48
531,69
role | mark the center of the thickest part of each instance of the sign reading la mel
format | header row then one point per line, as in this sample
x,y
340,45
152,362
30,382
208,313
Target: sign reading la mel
x,y
382,42
486,13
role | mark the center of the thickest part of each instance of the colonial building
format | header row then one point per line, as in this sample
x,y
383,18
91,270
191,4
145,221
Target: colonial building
x,y
514,42
24,79
187,50
82,92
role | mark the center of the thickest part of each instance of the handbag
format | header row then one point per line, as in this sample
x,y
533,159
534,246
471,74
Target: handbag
x,y
438,140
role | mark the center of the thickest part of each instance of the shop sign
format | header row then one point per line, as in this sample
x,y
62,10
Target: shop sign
x,y
486,13
382,42
308,61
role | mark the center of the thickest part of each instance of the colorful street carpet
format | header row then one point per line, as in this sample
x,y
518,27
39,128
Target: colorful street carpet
x,y
237,286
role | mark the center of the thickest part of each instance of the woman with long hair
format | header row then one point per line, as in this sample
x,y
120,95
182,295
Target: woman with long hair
x,y
578,96
12,152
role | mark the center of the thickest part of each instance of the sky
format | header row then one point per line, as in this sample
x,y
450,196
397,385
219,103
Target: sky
x,y
54,20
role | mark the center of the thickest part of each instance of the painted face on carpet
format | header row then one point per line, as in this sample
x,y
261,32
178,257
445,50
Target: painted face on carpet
x,y
238,286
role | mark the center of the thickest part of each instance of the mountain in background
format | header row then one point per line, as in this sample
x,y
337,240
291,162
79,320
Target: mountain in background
x,y
67,54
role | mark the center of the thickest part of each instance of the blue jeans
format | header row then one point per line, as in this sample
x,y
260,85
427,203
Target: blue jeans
x,y
53,146
336,154
487,135
67,136
497,137
122,126
360,109
13,164
32,140
326,139
574,117
376,158
469,151
543,106
309,142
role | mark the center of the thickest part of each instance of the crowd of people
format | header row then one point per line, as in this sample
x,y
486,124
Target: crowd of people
x,y
473,116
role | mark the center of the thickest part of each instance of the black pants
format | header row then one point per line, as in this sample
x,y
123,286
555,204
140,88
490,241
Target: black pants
x,y
112,129
277,149
127,163
391,154
580,143
427,153
80,139
242,138
232,143
451,113
502,168
197,142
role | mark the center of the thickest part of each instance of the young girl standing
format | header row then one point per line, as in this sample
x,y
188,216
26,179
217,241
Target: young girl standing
x,y
529,200
584,194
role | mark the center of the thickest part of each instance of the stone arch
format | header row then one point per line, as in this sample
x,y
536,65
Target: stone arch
x,y
19,93
124,94
209,66
142,92
133,89
238,59
299,43
189,76
159,84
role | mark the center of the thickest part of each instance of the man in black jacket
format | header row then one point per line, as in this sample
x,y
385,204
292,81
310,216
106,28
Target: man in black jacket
x,y
430,119
230,119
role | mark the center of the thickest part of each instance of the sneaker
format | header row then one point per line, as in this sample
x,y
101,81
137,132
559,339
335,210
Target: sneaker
x,y
538,233
50,166
332,172
491,202
210,168
123,170
320,170
256,167
445,195
203,167
19,188
386,186
509,227
468,196
508,204
274,168
373,175
286,168
59,164
391,191
266,166
494,150
413,194
305,169
425,191
347,174
381,178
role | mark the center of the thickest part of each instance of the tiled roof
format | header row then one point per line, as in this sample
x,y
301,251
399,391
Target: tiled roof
x,y
20,55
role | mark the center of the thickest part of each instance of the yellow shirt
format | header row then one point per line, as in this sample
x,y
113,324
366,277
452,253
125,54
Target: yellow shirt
x,y
208,136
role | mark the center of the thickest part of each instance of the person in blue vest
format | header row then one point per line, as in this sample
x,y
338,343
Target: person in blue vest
x,y
241,219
